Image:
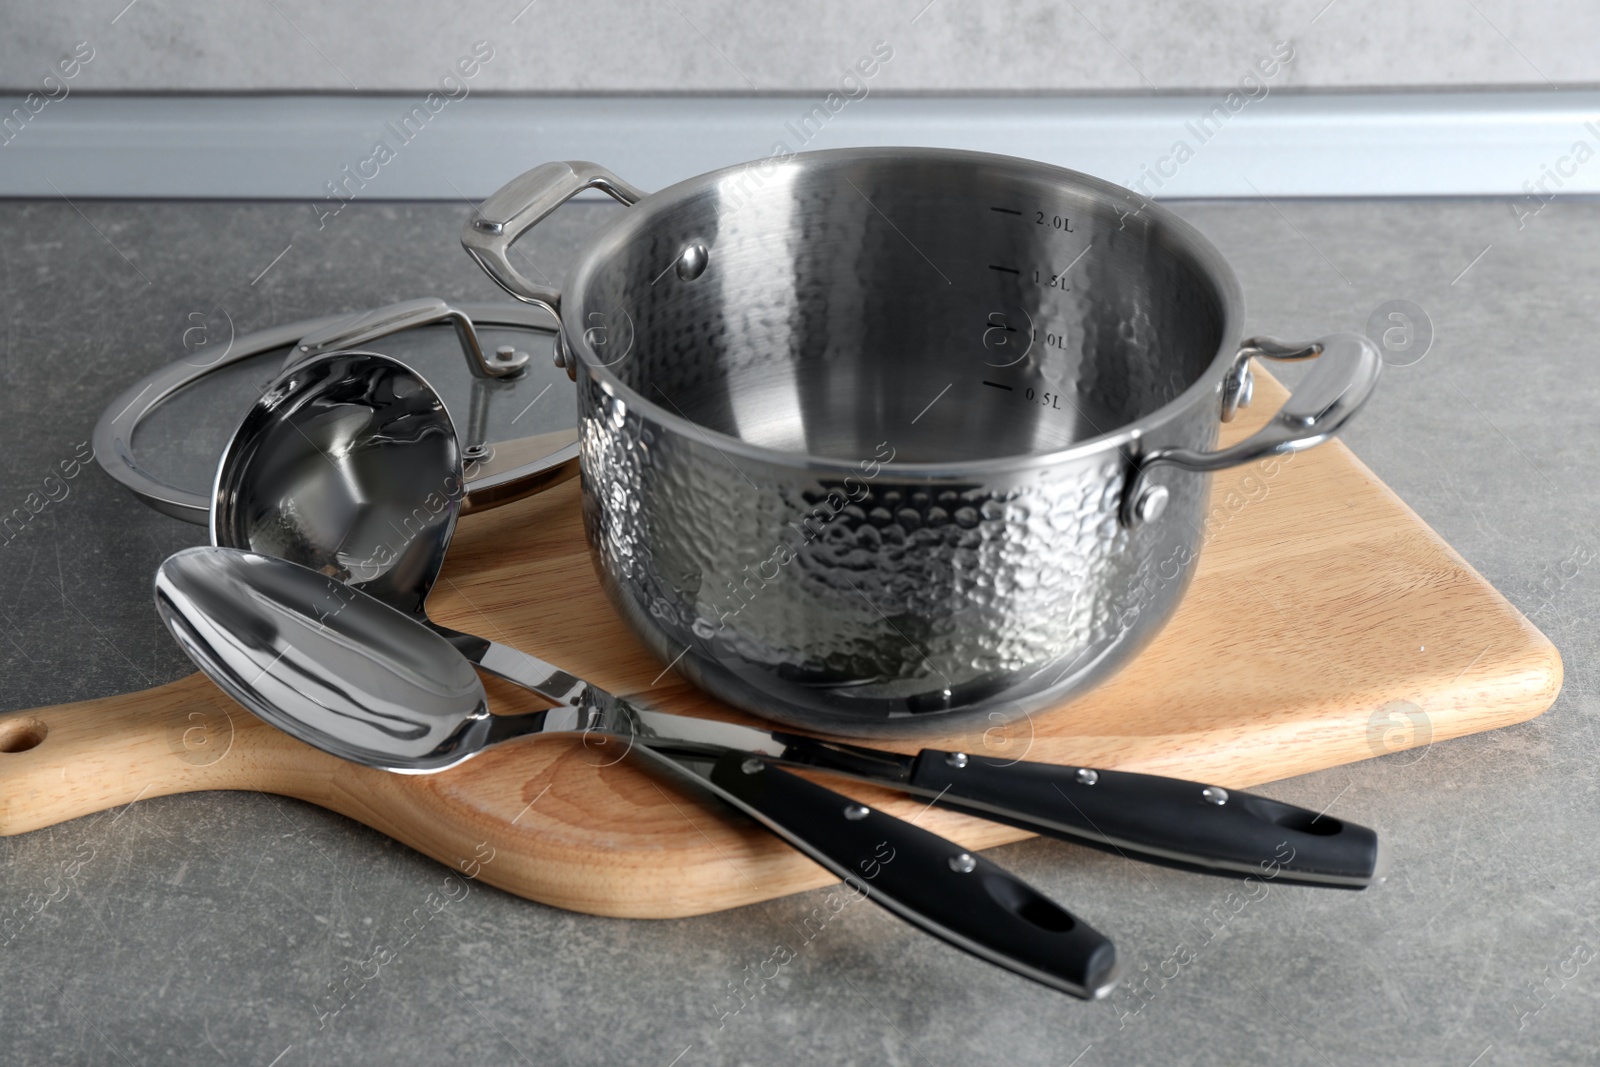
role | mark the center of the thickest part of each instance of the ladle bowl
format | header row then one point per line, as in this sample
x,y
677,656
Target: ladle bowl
x,y
349,465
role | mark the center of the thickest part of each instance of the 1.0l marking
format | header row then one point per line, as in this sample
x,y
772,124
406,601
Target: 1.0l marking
x,y
1054,340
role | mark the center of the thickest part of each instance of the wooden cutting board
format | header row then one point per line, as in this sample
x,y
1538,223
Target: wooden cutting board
x,y
1326,624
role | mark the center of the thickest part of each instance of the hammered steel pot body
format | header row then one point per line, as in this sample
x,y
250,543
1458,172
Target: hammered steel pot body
x,y
858,428
873,603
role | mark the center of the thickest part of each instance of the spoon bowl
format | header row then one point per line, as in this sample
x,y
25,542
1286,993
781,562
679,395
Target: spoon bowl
x,y
340,671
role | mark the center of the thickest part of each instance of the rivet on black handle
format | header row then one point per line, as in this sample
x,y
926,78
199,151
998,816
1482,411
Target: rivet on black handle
x,y
932,883
1168,821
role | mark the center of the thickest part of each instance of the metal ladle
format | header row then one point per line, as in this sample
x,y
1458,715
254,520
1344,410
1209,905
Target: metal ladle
x,y
350,465
344,673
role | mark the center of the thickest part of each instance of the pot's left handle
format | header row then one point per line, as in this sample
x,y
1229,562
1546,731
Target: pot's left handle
x,y
1344,376
520,205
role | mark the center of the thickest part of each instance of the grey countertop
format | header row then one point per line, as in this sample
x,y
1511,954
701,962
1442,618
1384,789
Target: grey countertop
x,y
203,928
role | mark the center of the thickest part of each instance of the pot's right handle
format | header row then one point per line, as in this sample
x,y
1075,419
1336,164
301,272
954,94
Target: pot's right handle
x,y
520,205
1344,376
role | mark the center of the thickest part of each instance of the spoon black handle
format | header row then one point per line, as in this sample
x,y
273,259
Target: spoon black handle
x,y
1168,821
930,882
1146,817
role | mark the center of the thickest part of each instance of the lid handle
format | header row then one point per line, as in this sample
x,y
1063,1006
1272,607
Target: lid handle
x,y
381,322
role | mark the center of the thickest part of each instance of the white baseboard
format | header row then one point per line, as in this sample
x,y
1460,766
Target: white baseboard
x,y
1282,145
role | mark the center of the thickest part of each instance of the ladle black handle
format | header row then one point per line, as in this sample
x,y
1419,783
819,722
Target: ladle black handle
x,y
1168,821
930,882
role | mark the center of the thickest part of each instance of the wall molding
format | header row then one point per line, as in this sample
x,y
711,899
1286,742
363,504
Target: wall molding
x,y
1279,145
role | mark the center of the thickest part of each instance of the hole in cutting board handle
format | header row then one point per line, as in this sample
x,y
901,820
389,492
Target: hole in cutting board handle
x,y
19,735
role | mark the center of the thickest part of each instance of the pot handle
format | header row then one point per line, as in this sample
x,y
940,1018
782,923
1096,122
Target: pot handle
x,y
521,204
1345,374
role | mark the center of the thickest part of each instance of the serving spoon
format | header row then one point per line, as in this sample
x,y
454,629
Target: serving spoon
x,y
350,465
347,674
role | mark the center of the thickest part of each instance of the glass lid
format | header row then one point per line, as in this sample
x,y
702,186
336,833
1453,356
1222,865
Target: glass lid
x,y
491,364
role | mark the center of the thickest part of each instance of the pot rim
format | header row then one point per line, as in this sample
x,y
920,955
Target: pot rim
x,y
1208,258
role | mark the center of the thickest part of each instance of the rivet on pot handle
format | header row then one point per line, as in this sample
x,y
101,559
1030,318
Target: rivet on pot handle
x,y
1345,373
520,205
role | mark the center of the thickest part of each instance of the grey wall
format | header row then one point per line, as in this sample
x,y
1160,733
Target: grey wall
x,y
740,45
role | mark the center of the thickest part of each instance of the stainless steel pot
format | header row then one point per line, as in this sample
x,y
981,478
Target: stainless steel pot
x,y
880,441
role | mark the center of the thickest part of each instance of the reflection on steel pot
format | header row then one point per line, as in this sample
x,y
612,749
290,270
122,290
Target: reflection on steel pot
x,y
878,441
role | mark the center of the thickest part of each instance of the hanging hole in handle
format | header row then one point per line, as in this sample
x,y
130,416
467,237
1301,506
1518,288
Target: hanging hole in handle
x,y
20,735
1291,818
1317,826
1031,906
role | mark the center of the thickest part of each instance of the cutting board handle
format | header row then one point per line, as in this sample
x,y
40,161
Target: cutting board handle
x,y
62,762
